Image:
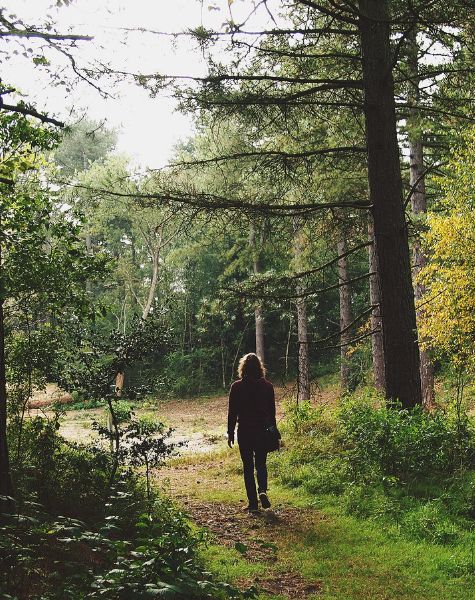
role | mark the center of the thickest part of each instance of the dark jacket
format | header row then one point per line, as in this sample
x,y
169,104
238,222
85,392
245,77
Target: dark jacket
x,y
251,404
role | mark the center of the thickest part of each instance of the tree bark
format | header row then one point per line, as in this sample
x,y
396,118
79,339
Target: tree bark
x,y
258,312
376,328
345,312
418,203
303,376
153,285
401,353
6,487
90,252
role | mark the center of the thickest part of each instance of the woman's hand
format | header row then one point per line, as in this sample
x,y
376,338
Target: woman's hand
x,y
230,441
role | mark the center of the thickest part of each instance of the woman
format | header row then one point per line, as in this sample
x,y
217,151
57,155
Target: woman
x,y
252,406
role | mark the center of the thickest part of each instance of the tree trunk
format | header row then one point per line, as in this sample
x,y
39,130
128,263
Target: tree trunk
x,y
303,376
418,202
258,313
259,316
6,487
376,328
90,252
401,353
153,286
345,313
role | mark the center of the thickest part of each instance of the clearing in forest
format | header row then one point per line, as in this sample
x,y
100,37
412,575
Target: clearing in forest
x,y
302,548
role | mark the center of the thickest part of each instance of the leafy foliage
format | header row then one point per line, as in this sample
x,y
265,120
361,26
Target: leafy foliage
x,y
73,537
413,470
448,308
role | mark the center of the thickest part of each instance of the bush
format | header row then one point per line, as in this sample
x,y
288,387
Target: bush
x,y
161,562
386,442
60,558
87,539
65,478
411,469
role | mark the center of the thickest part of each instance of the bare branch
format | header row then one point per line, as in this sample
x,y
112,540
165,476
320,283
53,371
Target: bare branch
x,y
364,314
25,33
428,169
353,341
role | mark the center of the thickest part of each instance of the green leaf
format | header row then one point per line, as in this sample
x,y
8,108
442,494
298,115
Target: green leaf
x,y
240,547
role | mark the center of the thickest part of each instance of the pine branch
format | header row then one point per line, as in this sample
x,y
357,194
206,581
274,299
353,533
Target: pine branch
x,y
214,202
213,79
286,280
337,15
303,294
298,52
236,30
270,153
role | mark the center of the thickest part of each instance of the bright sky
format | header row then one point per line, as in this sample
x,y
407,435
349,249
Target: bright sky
x,y
149,127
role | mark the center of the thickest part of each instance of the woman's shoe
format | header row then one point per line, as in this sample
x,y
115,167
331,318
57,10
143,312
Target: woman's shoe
x,y
264,498
252,508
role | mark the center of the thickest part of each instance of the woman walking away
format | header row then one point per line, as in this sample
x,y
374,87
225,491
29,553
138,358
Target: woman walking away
x,y
252,406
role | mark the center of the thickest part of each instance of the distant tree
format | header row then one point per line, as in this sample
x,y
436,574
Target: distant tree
x,y
81,145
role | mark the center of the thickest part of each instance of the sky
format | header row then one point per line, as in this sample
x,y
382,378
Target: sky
x,y
149,128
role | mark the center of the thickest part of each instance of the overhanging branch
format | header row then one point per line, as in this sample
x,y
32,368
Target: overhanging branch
x,y
271,153
304,294
214,202
31,112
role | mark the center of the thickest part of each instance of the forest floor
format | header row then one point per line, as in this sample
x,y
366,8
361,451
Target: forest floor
x,y
199,424
298,550
303,548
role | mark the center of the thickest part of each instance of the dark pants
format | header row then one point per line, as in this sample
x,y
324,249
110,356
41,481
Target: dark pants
x,y
253,454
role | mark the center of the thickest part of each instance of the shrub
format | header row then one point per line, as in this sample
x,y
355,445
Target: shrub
x,y
66,478
411,469
393,442
89,540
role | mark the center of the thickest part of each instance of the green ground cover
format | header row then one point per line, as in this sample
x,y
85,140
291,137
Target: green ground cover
x,y
370,502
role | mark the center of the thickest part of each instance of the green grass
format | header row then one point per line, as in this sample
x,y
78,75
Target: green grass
x,y
230,565
352,558
356,560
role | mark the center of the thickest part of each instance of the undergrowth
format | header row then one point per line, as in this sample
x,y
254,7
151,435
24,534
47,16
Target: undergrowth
x,y
72,533
413,472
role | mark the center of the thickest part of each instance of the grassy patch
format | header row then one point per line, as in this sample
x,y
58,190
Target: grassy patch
x,y
352,557
231,566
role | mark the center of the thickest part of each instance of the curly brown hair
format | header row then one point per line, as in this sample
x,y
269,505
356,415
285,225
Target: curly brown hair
x,y
251,367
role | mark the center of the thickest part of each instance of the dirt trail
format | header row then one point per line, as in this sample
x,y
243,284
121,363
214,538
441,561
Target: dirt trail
x,y
211,492
210,489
